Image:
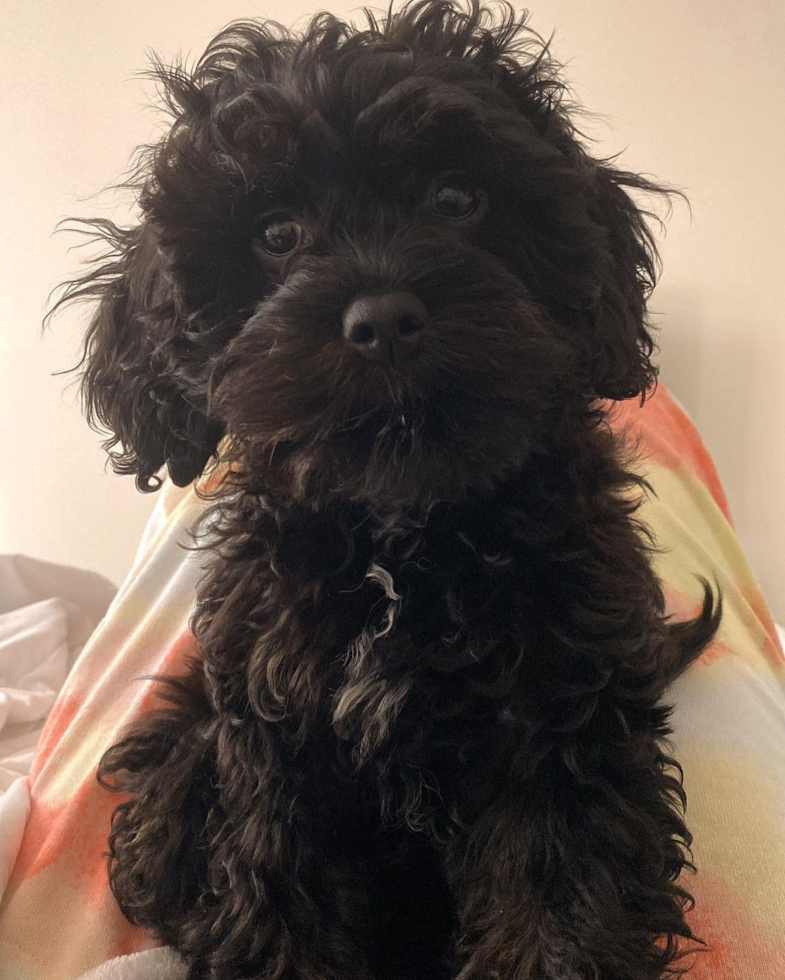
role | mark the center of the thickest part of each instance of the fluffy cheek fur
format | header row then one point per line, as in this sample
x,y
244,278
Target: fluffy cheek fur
x,y
314,419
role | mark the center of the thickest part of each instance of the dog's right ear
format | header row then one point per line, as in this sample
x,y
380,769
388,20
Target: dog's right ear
x,y
137,380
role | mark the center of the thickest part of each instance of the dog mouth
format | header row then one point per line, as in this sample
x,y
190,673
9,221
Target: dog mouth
x,y
396,443
392,422
394,429
399,455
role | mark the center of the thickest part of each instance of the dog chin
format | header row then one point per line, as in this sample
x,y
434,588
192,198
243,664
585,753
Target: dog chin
x,y
400,460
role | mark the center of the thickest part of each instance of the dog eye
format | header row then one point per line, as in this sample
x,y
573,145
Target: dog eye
x,y
455,198
280,236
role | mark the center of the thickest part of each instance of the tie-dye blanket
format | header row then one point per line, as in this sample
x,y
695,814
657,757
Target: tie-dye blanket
x,y
58,918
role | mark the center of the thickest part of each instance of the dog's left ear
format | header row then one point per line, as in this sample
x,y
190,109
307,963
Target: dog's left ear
x,y
142,371
617,337
614,338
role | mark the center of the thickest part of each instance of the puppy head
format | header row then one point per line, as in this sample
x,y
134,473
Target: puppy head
x,y
379,259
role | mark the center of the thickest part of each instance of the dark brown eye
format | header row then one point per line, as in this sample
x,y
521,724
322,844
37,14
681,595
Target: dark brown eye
x,y
280,236
456,198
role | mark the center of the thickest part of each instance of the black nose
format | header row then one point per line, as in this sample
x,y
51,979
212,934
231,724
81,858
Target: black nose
x,y
386,328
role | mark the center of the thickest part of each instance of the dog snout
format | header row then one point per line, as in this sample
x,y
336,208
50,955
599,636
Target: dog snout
x,y
386,328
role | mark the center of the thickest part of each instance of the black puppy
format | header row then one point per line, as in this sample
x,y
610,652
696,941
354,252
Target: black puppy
x,y
426,736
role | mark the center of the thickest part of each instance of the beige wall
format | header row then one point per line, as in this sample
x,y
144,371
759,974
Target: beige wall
x,y
692,91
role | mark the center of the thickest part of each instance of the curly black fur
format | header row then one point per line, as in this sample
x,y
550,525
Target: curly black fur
x,y
426,738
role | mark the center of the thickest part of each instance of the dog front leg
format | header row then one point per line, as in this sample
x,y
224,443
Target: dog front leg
x,y
287,929
570,874
284,901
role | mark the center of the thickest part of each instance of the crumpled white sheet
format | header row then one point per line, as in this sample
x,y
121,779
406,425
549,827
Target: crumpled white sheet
x,y
14,811
47,613
153,964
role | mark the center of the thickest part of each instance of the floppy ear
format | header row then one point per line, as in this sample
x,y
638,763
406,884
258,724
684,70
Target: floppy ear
x,y
173,290
618,340
608,267
143,375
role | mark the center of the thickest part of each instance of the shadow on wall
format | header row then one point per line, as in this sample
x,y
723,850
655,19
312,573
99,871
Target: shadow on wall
x,y
710,367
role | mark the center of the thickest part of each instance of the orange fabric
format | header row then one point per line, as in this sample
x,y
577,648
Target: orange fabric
x,y
670,439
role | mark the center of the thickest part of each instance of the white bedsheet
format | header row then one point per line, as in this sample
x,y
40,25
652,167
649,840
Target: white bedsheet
x,y
47,613
152,964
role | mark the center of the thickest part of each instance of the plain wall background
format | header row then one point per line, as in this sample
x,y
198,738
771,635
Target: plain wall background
x,y
692,91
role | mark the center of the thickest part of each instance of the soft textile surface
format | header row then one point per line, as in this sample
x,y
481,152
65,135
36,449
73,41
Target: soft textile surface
x,y
47,613
58,919
150,964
